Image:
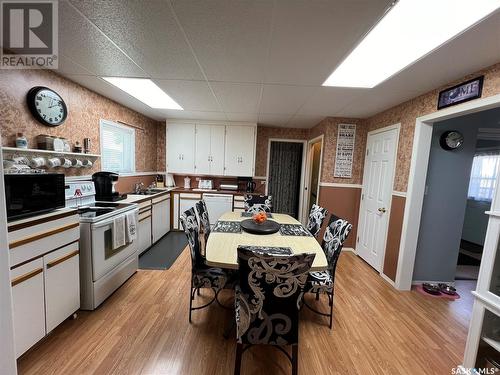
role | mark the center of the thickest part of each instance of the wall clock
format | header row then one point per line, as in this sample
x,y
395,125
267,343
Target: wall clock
x,y
451,140
47,106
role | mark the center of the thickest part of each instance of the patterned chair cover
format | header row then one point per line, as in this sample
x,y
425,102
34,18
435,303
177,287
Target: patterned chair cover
x,y
269,296
333,240
316,218
258,203
201,209
203,276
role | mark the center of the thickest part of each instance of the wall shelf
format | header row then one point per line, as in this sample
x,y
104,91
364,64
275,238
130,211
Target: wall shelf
x,y
46,153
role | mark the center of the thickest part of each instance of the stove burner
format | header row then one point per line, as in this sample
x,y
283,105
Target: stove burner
x,y
90,212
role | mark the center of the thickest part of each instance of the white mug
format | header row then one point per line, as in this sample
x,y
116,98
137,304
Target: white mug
x,y
65,163
54,162
37,162
76,163
86,163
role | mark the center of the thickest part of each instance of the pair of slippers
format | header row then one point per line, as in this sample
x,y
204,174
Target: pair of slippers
x,y
437,289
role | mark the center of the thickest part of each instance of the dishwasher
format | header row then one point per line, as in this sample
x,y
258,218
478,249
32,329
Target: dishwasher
x,y
217,204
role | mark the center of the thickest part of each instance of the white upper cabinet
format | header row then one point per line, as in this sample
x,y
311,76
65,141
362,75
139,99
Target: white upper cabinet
x,y
211,149
240,150
181,147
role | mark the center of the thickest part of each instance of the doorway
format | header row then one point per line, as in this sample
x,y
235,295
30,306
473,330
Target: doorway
x,y
285,176
376,197
459,188
313,175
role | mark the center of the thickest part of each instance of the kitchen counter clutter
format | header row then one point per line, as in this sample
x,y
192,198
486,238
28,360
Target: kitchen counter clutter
x,y
45,273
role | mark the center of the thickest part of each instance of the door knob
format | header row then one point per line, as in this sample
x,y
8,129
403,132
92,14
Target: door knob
x,y
382,209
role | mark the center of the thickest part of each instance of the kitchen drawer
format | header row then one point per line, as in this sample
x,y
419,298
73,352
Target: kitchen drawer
x,y
190,196
31,242
238,204
144,205
239,198
28,305
62,284
238,210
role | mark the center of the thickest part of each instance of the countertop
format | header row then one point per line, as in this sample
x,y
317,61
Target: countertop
x,y
12,225
138,198
195,190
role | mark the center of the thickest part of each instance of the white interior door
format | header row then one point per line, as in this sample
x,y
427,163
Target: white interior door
x,y
376,196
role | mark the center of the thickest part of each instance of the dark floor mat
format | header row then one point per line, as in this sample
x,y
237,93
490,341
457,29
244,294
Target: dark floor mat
x,y
163,254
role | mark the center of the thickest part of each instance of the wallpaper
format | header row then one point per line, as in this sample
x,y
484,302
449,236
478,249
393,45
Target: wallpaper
x,y
407,112
263,135
85,108
329,128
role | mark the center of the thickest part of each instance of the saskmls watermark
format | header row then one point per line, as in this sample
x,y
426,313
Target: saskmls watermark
x,y
29,34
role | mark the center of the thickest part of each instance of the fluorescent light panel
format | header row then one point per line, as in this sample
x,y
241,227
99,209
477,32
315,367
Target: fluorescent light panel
x,y
146,91
409,31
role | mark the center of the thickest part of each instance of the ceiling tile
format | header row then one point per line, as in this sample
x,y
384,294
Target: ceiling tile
x,y
250,117
82,42
284,99
67,66
237,97
310,38
327,101
273,119
193,115
147,32
304,121
230,38
191,95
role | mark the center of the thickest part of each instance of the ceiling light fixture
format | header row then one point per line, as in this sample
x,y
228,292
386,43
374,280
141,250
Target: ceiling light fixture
x,y
409,30
145,90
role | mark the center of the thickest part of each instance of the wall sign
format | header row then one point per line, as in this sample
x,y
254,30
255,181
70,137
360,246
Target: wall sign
x,y
345,151
461,93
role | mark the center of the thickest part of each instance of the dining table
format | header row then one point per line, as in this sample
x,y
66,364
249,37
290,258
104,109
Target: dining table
x,y
227,235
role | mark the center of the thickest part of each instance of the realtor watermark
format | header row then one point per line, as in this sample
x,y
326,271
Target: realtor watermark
x,y
474,371
29,34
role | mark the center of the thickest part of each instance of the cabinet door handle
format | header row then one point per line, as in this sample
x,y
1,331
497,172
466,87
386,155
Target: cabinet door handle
x,y
62,259
26,276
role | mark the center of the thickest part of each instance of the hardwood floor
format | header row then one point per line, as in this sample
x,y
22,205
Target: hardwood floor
x,y
143,329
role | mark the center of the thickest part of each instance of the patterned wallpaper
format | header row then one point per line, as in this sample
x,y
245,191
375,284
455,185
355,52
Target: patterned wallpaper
x,y
85,108
263,135
407,112
329,128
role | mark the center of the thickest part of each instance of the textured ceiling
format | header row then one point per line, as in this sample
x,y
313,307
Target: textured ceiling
x,y
249,60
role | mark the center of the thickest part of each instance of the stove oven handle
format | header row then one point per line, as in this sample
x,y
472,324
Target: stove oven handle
x,y
109,221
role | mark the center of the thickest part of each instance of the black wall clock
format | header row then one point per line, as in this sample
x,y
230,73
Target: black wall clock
x,y
451,140
47,106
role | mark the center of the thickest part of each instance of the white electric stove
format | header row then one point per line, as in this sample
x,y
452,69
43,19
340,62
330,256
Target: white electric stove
x,y
103,268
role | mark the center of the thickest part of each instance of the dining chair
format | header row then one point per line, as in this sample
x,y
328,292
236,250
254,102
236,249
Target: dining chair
x,y
316,217
322,282
258,203
202,276
204,221
268,298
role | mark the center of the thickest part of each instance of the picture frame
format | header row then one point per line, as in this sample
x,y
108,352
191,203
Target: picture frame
x,y
461,93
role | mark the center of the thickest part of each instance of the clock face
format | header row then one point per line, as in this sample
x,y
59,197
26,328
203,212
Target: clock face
x,y
47,106
451,140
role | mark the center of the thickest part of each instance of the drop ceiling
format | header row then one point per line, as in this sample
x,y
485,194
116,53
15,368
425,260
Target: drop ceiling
x,y
249,60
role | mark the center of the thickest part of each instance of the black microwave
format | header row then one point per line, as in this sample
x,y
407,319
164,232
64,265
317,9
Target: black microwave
x,y
29,194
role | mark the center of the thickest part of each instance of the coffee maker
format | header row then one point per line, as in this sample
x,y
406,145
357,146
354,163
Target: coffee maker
x,y
105,186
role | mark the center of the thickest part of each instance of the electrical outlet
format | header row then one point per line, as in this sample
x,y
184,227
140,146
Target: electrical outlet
x,y
263,182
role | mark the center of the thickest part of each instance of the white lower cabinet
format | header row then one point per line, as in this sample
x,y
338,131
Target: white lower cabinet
x,y
161,217
28,305
62,284
144,235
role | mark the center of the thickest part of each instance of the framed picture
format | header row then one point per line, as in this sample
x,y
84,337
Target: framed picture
x,y
461,93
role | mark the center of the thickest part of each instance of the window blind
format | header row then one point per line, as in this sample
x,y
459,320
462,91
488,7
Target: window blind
x,y
117,147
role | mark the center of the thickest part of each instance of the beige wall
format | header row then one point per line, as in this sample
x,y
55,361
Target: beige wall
x,y
85,109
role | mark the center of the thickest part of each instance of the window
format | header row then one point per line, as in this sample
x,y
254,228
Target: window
x,y
117,147
483,176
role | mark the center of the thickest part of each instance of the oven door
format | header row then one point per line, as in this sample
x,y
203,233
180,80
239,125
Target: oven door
x,y
104,257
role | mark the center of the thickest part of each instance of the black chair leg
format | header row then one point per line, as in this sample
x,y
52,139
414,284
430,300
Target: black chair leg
x,y
237,361
331,310
295,359
317,296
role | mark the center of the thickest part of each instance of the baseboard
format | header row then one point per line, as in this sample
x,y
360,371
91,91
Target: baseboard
x,y
387,279
350,249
